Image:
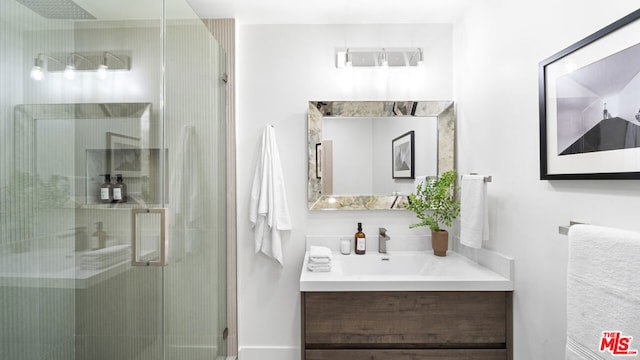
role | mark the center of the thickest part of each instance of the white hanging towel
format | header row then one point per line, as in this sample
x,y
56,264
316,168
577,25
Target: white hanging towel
x,y
603,292
186,210
268,210
474,218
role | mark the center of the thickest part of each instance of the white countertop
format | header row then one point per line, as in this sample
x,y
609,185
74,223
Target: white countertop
x,y
453,272
53,269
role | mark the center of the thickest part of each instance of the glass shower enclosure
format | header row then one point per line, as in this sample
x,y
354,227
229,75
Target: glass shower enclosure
x,y
112,182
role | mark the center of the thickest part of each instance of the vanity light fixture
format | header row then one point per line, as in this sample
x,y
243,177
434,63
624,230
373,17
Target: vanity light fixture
x,y
384,61
379,57
100,62
70,68
104,66
348,60
36,71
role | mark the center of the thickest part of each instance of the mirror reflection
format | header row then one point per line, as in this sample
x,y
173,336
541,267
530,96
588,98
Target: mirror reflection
x,y
368,155
362,160
101,138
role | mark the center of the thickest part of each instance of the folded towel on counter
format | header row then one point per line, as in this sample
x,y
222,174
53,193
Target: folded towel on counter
x,y
320,254
474,219
603,289
319,259
111,251
102,258
318,267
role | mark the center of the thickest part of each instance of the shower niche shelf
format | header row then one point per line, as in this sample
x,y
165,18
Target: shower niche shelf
x,y
141,169
121,206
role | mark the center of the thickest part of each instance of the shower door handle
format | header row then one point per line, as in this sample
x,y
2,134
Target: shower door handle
x,y
149,239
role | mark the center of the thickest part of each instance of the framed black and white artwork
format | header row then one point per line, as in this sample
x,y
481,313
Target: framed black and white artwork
x,y
590,106
402,149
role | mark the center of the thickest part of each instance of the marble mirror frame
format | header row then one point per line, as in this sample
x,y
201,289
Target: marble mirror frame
x,y
28,116
442,110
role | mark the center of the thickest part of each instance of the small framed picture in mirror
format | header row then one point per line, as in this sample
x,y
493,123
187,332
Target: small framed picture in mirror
x,y
319,161
402,150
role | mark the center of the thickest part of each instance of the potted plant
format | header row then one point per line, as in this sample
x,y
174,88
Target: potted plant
x,y
435,204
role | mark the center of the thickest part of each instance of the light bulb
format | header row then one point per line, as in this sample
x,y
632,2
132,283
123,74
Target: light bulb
x,y
102,71
70,72
36,73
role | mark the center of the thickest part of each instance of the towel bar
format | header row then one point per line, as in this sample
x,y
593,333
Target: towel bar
x,y
487,179
564,230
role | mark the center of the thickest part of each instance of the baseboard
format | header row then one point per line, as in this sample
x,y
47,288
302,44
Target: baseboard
x,y
268,353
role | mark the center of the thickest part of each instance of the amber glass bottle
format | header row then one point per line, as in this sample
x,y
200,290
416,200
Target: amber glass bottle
x,y
119,190
106,189
360,241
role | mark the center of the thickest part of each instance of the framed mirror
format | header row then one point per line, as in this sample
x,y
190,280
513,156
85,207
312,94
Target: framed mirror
x,y
63,150
369,155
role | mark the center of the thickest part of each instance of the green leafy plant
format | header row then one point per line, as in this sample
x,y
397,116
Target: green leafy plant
x,y
434,202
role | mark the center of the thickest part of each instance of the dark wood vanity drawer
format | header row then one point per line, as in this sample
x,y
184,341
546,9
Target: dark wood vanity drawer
x,y
402,320
367,354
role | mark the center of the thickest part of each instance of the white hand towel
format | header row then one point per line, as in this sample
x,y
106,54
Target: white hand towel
x,y
320,254
268,209
603,289
319,267
474,219
187,208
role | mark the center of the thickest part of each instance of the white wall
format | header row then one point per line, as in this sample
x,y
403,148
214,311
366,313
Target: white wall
x,y
280,69
498,47
362,157
425,152
352,158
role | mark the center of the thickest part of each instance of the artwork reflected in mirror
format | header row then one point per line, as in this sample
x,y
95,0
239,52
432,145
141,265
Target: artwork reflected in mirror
x,y
370,153
403,156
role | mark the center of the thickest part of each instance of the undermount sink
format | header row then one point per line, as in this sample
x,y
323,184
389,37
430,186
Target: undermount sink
x,y
410,266
392,264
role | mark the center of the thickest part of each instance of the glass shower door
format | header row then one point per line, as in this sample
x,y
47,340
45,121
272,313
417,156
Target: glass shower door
x,y
195,281
127,93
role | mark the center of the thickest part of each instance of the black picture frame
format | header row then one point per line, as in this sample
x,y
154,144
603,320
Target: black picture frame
x,y
596,143
403,156
124,156
319,161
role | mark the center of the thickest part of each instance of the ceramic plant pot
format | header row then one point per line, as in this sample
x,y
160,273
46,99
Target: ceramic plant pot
x,y
440,242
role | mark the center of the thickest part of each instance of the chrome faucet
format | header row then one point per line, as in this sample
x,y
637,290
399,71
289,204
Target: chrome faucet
x,y
382,240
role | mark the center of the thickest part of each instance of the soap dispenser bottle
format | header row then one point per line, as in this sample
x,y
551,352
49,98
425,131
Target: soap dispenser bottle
x,y
119,190
106,189
81,238
361,241
99,237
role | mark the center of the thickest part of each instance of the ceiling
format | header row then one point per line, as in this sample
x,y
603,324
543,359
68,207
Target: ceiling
x,y
276,11
333,11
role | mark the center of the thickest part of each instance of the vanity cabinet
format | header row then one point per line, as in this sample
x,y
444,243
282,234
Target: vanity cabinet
x,y
439,325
